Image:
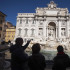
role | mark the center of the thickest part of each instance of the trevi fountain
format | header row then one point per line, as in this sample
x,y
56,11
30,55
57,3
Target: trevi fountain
x,y
49,26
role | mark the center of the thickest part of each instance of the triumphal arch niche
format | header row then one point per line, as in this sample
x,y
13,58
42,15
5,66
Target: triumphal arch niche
x,y
49,23
51,31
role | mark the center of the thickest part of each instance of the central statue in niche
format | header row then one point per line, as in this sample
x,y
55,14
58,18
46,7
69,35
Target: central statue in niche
x,y
52,30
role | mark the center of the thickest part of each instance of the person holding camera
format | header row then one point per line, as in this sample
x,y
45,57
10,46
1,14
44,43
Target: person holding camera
x,y
18,56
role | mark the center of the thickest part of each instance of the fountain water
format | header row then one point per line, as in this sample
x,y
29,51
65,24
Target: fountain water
x,y
49,50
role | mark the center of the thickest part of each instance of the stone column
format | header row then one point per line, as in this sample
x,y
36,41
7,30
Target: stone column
x,y
47,31
67,29
44,31
59,29
29,32
56,31
36,31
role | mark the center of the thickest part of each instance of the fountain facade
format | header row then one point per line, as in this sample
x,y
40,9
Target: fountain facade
x,y
49,26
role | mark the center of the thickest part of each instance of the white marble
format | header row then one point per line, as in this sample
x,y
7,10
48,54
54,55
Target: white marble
x,y
48,23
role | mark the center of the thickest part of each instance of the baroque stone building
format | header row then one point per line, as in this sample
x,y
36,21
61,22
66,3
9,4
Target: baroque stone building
x,y
2,26
48,23
10,33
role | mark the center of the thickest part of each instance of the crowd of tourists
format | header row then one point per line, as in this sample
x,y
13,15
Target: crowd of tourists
x,y
21,61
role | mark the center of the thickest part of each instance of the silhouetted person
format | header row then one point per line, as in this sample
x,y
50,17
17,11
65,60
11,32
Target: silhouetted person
x,y
18,56
61,60
36,60
3,43
9,41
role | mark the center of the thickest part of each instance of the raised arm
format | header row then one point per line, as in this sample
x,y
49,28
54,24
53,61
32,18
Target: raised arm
x,y
26,45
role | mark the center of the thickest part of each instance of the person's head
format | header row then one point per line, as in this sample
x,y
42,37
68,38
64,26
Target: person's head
x,y
60,48
19,41
36,48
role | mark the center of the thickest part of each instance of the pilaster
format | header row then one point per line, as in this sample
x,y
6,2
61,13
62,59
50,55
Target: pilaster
x,y
59,29
47,31
56,31
44,29
67,28
36,32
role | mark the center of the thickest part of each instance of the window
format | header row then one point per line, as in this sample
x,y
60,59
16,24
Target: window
x,y
24,20
40,31
33,21
27,21
19,31
20,20
41,23
26,30
32,32
63,23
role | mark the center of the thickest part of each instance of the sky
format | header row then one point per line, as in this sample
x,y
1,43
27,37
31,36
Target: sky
x,y
12,7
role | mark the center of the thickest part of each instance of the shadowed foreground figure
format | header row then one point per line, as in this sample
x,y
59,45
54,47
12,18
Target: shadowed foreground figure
x,y
61,60
36,60
18,56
